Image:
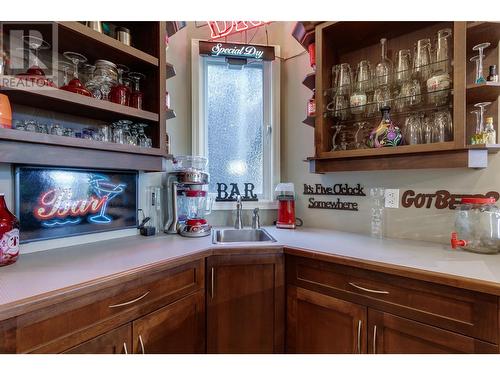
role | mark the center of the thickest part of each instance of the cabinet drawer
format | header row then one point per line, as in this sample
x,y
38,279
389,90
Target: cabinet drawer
x,y
459,310
61,326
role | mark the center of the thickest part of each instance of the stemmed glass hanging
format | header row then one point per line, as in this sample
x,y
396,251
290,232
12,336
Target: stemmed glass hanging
x,y
75,85
479,135
479,65
35,73
137,97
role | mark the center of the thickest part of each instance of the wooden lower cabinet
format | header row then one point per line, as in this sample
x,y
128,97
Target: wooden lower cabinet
x,y
117,341
318,323
390,334
176,328
245,303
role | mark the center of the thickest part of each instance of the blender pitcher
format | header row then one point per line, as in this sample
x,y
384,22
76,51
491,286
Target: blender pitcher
x,y
285,195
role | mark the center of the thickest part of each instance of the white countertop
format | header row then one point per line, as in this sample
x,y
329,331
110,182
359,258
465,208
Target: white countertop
x,y
44,272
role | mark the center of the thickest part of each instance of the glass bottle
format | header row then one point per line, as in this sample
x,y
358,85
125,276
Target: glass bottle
x,y
384,66
386,134
490,134
493,76
9,234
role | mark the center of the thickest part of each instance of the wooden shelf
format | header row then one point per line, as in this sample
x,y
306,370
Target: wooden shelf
x,y
374,152
486,92
451,158
49,139
170,70
67,102
170,114
16,152
310,121
480,31
310,81
95,45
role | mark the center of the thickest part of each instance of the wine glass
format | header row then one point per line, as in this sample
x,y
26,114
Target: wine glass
x,y
479,67
35,73
65,68
478,77
120,93
337,128
75,85
137,97
481,107
117,129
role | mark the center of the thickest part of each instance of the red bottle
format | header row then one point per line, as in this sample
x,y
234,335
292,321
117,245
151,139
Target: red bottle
x,y
9,235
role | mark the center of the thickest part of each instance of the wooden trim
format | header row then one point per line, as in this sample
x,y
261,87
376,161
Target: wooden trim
x,y
56,140
52,155
459,83
162,86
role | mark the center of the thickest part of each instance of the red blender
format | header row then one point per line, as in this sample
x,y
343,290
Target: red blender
x,y
285,195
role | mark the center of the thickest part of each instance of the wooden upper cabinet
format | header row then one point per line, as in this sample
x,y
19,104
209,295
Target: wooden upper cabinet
x,y
390,334
318,323
176,328
245,304
117,341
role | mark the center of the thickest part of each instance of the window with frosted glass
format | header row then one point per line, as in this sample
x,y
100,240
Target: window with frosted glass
x,y
235,115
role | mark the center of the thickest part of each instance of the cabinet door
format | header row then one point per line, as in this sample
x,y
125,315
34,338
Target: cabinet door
x,y
116,341
245,304
175,328
390,334
317,323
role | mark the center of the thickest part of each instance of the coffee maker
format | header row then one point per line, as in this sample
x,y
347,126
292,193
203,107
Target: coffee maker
x,y
188,201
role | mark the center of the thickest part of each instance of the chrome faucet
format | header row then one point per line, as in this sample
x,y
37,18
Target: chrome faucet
x,y
256,218
239,206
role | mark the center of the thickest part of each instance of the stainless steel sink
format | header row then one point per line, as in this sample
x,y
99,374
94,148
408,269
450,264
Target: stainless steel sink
x,y
232,236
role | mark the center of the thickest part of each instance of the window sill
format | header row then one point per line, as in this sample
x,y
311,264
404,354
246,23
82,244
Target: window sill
x,y
261,205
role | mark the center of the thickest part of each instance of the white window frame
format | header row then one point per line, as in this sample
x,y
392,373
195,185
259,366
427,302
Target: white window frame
x,y
271,118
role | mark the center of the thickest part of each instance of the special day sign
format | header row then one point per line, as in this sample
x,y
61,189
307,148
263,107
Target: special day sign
x,y
52,203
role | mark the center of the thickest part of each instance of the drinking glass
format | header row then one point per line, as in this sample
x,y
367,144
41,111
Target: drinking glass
x,y
105,133
403,67
344,79
118,132
142,139
337,128
422,60
361,86
120,93
42,128
68,132
413,129
479,67
443,127
127,135
383,69
75,85
19,125
339,106
56,129
359,129
382,97
427,126
137,97
442,52
65,68
410,94
31,125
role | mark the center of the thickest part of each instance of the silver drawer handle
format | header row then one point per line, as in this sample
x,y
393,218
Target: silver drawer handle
x,y
369,290
125,348
360,323
129,302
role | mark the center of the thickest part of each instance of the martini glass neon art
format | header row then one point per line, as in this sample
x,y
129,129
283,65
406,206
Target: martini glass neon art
x,y
104,188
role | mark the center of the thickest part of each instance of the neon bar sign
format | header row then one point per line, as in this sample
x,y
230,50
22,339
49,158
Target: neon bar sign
x,y
56,207
222,29
236,50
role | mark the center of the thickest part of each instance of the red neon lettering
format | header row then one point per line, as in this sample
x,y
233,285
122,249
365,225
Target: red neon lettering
x,y
53,205
221,29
